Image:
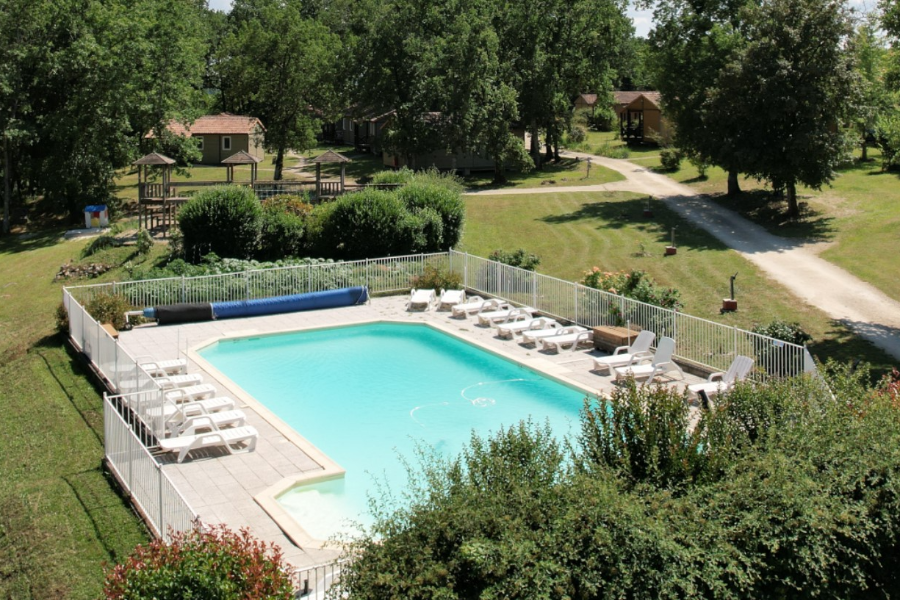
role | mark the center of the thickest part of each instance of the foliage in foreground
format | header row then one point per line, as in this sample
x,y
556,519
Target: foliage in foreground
x,y
782,491
635,284
214,564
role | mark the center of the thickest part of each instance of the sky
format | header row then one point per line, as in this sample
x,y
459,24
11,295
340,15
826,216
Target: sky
x,y
641,18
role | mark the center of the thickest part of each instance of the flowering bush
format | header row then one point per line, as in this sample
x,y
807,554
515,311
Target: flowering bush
x,y
633,284
216,563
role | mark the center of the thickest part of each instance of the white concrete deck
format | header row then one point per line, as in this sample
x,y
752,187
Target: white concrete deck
x,y
222,487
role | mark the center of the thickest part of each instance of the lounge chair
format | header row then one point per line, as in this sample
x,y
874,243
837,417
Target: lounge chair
x,y
475,304
720,383
625,355
511,329
450,298
533,337
172,410
191,393
660,364
161,368
507,315
213,421
169,382
230,439
558,342
421,299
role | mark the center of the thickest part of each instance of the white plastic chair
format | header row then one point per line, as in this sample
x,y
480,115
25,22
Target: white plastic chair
x,y
721,383
660,364
625,355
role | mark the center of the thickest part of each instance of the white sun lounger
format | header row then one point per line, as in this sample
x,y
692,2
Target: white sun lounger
x,y
421,299
475,304
508,315
191,393
171,410
213,421
161,368
721,383
169,382
230,439
625,355
533,337
511,329
660,364
557,342
450,298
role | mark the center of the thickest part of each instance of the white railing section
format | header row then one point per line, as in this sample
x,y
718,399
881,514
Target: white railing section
x,y
163,507
709,345
312,583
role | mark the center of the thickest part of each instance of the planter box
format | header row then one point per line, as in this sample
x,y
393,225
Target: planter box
x,y
610,338
671,250
729,305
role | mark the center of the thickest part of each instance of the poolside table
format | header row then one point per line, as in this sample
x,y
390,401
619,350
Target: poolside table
x,y
610,338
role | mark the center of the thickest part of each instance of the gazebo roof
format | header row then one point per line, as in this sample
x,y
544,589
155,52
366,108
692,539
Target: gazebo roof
x,y
330,157
241,158
154,158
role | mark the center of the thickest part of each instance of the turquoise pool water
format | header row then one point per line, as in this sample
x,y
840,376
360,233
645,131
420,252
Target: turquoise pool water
x,y
366,395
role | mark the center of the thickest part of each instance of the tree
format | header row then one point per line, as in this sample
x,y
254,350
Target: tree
x,y
791,90
868,51
281,67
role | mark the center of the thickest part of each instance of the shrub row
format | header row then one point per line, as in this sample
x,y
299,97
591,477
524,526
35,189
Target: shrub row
x,y
425,215
782,492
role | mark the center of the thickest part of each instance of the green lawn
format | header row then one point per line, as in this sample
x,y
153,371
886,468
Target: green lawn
x,y
567,172
573,232
60,519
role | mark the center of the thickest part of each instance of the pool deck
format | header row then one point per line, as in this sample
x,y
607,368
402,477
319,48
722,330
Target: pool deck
x,y
221,487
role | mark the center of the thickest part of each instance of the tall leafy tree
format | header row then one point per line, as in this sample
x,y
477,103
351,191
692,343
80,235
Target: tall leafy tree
x,y
791,90
281,66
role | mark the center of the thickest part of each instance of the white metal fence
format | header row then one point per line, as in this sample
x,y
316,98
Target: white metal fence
x,y
705,343
312,583
163,507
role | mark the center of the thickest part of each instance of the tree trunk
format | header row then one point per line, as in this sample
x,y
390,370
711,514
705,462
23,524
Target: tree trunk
x,y
548,150
865,151
279,163
556,150
499,172
535,147
6,184
793,207
734,188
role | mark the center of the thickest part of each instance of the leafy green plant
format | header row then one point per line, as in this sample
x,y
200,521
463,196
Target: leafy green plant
x,y
62,320
634,284
213,563
670,159
445,201
610,151
577,134
517,258
109,308
371,223
438,278
399,176
222,219
144,242
774,357
281,233
296,204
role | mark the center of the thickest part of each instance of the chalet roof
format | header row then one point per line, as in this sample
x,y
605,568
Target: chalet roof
x,y
241,158
220,124
331,157
589,99
154,158
626,98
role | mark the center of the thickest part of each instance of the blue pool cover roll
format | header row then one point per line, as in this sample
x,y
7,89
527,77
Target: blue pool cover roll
x,y
293,303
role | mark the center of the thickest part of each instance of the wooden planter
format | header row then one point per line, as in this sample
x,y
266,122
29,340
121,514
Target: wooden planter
x,y
729,305
671,250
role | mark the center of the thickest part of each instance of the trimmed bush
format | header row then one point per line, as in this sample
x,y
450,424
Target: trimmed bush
x,y
297,204
670,159
438,278
216,563
365,224
577,134
224,220
517,258
400,176
445,201
281,234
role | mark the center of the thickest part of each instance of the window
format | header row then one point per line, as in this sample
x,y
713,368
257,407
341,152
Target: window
x,y
226,142
200,142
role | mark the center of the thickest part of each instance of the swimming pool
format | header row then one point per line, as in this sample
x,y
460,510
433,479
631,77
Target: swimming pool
x,y
366,395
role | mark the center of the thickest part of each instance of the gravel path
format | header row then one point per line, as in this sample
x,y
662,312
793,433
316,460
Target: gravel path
x,y
794,264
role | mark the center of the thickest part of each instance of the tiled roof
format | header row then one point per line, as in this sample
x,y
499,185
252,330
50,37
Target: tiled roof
x,y
154,158
222,124
331,156
625,98
241,158
589,99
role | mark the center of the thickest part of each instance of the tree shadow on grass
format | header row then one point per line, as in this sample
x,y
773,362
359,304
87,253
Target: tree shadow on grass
x,y
770,211
846,345
22,242
620,214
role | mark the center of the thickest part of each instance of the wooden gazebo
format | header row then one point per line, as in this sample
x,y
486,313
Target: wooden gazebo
x,y
156,201
330,157
241,158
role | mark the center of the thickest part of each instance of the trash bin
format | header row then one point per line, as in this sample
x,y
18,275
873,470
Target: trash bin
x,y
96,215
